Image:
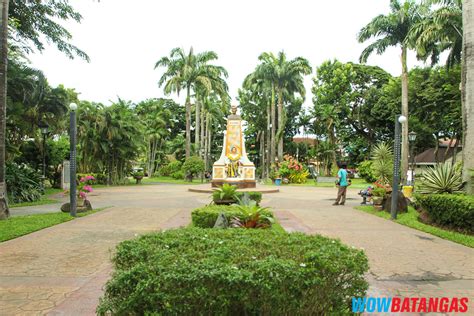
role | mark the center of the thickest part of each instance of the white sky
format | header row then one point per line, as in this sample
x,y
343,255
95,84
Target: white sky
x,y
124,39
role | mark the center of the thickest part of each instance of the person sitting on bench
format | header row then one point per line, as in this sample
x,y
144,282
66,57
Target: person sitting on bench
x,y
367,193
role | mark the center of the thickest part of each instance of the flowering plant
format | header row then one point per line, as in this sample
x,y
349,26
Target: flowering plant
x,y
85,186
293,170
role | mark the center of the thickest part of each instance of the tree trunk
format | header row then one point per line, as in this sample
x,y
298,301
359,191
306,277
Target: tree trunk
x,y
197,131
268,143
273,125
281,123
455,150
405,149
436,136
206,144
209,139
4,211
203,121
188,123
467,92
263,174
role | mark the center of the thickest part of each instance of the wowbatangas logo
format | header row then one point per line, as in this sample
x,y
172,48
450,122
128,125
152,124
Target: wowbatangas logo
x,y
410,304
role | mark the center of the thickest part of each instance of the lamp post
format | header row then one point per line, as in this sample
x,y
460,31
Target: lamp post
x,y
411,139
44,131
72,159
399,120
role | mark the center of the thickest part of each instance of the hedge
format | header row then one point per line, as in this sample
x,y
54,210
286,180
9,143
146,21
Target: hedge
x,y
254,196
196,271
449,210
205,217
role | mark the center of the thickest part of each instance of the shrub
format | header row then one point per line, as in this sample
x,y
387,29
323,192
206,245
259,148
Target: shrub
x,y
254,196
99,178
444,178
23,183
252,216
291,169
192,166
178,175
365,171
382,163
234,272
172,167
205,217
381,192
450,210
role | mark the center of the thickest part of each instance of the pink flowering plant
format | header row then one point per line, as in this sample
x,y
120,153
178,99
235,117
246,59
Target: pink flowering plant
x,y
85,186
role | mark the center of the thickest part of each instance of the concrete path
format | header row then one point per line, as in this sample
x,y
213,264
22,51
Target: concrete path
x,y
61,270
403,261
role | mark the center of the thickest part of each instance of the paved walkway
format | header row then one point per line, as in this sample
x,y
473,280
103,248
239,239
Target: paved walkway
x,y
60,270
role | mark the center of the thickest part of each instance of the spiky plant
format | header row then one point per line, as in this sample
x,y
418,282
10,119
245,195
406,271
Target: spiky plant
x,y
444,178
382,166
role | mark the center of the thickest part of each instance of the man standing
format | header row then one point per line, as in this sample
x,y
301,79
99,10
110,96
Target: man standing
x,y
342,184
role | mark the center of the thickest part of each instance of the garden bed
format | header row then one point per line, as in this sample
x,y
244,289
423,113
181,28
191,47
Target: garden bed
x,y
234,272
205,217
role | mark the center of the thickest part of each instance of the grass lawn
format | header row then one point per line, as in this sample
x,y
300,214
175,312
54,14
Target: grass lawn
x,y
153,180
45,199
22,225
410,219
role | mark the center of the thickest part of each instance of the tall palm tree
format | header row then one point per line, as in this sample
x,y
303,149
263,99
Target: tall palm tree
x,y
4,211
188,71
438,31
468,93
393,30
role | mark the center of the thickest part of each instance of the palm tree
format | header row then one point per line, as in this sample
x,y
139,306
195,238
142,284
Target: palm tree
x,y
188,72
4,211
440,30
468,93
394,30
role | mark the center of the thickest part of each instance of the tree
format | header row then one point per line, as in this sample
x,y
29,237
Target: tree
x,y
438,31
30,21
468,95
4,211
190,72
287,78
393,30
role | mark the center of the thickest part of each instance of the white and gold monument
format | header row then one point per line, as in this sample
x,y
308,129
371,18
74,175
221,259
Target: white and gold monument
x,y
234,167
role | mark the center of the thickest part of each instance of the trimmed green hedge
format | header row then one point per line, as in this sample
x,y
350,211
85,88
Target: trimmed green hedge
x,y
254,196
197,271
205,217
450,210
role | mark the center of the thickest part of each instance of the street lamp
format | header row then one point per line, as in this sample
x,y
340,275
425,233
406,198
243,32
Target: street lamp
x,y
44,130
72,159
411,139
399,120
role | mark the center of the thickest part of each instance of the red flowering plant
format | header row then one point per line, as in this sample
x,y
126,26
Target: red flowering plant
x,y
293,170
85,186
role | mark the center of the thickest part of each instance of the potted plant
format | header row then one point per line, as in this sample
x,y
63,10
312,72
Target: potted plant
x,y
378,195
277,179
225,195
138,176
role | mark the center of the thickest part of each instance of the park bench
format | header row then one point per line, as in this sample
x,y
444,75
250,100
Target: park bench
x,y
317,178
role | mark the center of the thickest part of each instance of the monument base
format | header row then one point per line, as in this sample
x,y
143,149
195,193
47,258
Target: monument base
x,y
246,184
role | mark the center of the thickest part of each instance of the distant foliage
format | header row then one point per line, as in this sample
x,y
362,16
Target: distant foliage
x,y
169,169
365,171
444,178
192,167
23,183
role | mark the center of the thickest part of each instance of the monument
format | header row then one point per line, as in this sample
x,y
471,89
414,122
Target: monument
x,y
234,167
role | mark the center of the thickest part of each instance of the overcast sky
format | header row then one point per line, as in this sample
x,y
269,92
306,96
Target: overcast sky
x,y
124,39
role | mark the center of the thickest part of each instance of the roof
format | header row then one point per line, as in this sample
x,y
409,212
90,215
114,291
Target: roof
x,y
428,156
444,142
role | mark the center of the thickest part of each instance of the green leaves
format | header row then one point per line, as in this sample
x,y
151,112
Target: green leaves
x,y
234,272
444,178
382,163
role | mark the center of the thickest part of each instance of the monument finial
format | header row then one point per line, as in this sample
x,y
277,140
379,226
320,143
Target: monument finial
x,y
233,109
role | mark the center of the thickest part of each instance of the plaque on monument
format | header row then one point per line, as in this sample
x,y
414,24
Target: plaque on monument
x,y
234,167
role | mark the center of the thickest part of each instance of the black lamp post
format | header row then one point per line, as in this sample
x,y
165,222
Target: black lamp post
x,y
399,120
411,139
44,131
72,159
